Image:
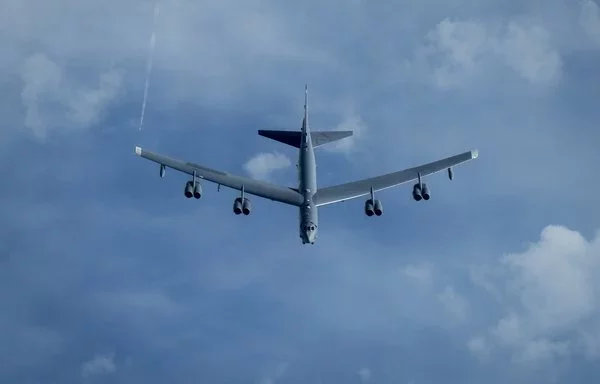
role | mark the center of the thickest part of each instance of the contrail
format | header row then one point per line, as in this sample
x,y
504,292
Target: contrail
x,y
149,68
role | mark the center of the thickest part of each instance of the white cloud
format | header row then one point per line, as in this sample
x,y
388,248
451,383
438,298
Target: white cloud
x,y
455,303
54,102
589,18
422,272
277,374
462,41
42,78
556,284
86,105
482,276
528,50
462,44
364,374
262,165
464,50
350,122
99,365
479,347
555,278
509,330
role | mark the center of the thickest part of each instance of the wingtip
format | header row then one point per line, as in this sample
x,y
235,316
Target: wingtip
x,y
138,151
474,153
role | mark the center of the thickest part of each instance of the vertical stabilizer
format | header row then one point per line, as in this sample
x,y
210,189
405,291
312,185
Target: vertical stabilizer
x,y
305,121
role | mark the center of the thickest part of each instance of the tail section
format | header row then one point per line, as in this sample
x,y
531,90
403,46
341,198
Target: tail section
x,y
294,138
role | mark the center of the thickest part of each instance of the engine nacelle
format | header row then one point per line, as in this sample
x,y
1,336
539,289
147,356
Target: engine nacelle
x,y
162,171
369,211
189,189
378,208
197,190
417,192
246,207
425,192
237,206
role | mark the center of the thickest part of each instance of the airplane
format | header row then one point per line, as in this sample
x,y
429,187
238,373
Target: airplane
x,y
307,197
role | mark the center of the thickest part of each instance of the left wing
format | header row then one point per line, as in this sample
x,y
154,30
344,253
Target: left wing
x,y
250,186
363,187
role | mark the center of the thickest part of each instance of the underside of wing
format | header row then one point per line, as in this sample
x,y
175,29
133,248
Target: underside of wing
x,y
363,187
249,186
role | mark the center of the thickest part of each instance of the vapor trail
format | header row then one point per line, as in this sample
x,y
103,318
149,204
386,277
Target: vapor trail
x,y
149,68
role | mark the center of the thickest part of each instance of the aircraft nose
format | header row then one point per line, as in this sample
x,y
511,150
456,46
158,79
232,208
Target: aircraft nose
x,y
310,233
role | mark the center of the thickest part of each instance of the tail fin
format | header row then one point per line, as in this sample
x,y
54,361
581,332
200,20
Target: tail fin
x,y
305,121
293,138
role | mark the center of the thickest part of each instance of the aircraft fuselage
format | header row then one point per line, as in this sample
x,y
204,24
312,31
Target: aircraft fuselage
x,y
307,186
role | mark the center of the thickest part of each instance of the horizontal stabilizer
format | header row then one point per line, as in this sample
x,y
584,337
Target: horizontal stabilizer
x,y
292,138
323,137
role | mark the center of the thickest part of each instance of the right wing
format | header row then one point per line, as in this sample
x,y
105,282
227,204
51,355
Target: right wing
x,y
250,186
363,187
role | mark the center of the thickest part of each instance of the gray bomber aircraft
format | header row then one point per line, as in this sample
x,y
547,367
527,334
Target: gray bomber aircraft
x,y
307,197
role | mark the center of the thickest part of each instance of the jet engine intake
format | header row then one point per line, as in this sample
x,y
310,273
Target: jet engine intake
x,y
425,192
237,206
246,207
378,208
417,192
197,190
189,189
369,211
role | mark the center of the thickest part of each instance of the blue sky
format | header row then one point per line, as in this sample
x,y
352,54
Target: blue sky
x,y
109,275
